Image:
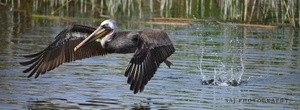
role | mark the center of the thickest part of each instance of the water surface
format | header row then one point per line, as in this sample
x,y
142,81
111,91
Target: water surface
x,y
267,61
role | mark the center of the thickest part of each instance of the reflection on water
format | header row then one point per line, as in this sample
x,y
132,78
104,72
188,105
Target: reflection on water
x,y
270,64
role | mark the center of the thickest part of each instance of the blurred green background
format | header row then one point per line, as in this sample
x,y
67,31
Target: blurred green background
x,y
266,12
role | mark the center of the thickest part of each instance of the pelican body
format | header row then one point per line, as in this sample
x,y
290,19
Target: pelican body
x,y
151,47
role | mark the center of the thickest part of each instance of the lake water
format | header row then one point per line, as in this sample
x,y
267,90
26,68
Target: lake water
x,y
267,61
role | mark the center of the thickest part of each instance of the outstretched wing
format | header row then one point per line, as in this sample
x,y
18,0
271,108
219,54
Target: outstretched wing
x,y
62,50
155,47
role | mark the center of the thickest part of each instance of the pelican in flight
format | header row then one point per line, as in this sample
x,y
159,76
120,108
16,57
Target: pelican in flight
x,y
151,47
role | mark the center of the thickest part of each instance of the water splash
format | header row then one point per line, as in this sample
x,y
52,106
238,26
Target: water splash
x,y
223,75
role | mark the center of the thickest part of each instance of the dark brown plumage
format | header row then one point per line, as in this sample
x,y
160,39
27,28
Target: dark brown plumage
x,y
151,47
62,50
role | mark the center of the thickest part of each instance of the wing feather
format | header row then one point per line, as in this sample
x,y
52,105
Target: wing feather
x,y
62,50
155,48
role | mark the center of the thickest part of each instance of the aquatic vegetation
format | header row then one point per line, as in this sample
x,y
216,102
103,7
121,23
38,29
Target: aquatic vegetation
x,y
267,12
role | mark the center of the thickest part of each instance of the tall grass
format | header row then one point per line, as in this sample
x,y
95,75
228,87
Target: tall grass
x,y
268,12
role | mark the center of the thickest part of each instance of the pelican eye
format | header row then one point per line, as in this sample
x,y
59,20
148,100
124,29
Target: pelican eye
x,y
105,26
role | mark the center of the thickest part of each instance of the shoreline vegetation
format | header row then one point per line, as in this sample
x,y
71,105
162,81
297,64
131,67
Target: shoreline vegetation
x,y
268,14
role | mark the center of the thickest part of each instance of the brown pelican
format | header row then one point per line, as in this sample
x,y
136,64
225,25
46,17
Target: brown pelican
x,y
151,47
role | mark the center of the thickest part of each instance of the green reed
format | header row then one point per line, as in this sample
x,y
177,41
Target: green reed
x,y
267,12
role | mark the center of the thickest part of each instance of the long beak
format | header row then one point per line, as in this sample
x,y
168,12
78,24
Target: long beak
x,y
99,33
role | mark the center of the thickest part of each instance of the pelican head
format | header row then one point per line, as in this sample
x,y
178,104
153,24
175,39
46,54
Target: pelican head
x,y
104,33
112,25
